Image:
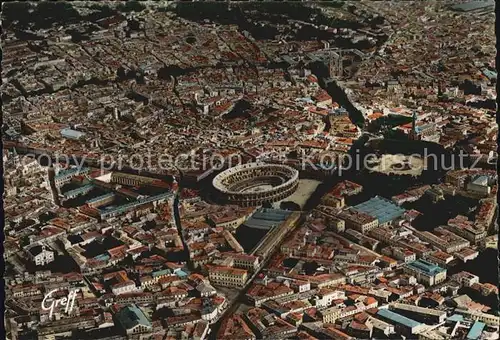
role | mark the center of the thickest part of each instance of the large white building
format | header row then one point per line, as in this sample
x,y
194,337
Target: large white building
x,y
40,255
479,185
426,272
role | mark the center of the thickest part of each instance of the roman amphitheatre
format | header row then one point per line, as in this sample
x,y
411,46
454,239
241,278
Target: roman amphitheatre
x,y
254,184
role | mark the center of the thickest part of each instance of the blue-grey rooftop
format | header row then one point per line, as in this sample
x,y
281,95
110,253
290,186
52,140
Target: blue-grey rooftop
x,y
101,197
267,218
381,208
71,172
132,316
426,267
72,134
473,5
455,318
476,330
79,190
398,318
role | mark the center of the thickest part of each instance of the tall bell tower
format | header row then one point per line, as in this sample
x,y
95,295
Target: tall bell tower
x,y
414,132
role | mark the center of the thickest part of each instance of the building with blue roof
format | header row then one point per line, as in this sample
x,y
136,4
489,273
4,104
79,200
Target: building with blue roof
x,y
476,330
102,257
72,134
101,200
421,314
181,274
384,210
474,6
161,273
133,320
118,210
305,99
266,219
426,272
480,184
490,74
339,111
78,191
403,325
65,176
455,318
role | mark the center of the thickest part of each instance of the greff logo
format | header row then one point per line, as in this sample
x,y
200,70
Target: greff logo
x,y
49,303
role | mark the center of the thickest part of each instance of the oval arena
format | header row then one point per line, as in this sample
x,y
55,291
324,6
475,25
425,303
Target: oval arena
x,y
253,184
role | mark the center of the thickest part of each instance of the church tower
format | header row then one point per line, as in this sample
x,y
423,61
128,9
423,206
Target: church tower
x,y
413,132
